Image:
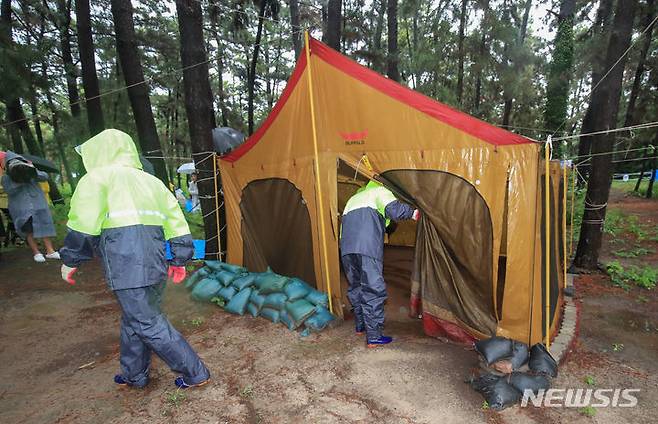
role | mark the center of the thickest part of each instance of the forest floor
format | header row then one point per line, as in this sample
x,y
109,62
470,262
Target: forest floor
x,y
59,352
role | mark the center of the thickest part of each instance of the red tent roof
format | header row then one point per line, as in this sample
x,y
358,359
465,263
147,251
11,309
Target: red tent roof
x,y
463,121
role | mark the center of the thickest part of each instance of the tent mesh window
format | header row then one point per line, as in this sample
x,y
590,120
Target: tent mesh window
x,y
554,254
276,229
454,246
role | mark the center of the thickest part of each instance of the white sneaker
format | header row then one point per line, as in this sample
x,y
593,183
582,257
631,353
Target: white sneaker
x,y
54,255
39,258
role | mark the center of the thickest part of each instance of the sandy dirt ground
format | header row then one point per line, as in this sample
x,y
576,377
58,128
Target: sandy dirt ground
x,y
59,352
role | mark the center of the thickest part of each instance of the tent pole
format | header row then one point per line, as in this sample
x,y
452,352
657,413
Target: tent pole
x,y
573,206
547,243
318,187
564,220
219,239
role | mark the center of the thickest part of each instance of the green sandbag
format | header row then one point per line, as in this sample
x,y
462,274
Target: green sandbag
x,y
252,309
235,269
296,289
238,304
271,314
257,299
227,293
284,318
206,289
272,283
275,301
319,320
225,277
299,310
214,265
246,280
197,276
318,298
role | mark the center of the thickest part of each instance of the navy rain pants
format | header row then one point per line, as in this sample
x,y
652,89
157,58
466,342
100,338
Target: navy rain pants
x,y
145,329
367,292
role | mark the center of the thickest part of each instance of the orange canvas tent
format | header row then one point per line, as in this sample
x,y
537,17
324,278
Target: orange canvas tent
x,y
478,246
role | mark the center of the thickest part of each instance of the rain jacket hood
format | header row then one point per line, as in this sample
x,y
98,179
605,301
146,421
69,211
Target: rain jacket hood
x,y
109,148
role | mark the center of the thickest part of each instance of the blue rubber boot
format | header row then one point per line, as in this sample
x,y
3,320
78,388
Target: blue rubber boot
x,y
381,340
181,384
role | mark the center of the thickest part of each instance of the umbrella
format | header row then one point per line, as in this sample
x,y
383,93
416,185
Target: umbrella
x,y
225,139
41,164
186,168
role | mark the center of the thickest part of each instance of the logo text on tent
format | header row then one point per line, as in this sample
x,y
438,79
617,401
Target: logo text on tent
x,y
578,398
355,138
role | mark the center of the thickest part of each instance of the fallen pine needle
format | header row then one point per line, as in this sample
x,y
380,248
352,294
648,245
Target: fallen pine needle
x,y
81,367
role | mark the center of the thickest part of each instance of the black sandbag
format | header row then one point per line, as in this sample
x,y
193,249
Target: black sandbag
x,y
271,314
238,303
243,281
522,382
297,289
494,349
519,354
225,277
498,393
275,301
541,361
195,277
206,289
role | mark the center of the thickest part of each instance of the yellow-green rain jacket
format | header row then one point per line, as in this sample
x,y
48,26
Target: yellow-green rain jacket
x,y
125,214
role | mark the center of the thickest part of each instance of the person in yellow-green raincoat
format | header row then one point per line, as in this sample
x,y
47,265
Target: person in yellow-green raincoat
x,y
126,215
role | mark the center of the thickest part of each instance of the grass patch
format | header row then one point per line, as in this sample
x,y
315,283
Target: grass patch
x,y
588,411
589,380
247,391
633,253
644,277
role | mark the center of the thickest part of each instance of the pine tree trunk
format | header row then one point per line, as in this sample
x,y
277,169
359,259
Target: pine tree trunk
x,y
64,24
605,102
460,52
479,63
392,59
639,71
251,88
200,115
219,59
649,194
89,77
296,28
34,108
645,164
334,19
138,93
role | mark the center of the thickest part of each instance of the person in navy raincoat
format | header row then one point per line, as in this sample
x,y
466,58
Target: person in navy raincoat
x,y
365,218
28,206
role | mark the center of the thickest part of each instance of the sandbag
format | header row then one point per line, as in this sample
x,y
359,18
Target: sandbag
x,y
206,289
252,309
196,277
498,393
224,277
494,349
541,361
235,269
271,314
271,283
262,277
296,289
522,382
317,298
214,265
257,299
275,301
238,303
243,281
227,293
284,318
319,320
519,354
299,310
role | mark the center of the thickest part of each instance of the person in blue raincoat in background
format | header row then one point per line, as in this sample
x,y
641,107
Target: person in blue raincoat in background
x,y
126,215
28,206
365,218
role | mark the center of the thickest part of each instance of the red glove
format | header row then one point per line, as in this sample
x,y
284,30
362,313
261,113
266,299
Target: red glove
x,y
67,274
416,215
176,274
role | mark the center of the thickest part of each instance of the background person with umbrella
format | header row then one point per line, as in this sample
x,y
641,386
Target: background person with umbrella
x,y
28,206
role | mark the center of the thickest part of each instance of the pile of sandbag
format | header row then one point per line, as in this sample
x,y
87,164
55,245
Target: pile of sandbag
x,y
509,369
275,297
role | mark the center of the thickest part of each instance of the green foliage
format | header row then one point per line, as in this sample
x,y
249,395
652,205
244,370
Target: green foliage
x,y
588,411
617,347
633,253
557,92
644,277
218,301
175,398
589,380
247,391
